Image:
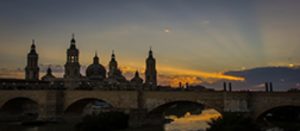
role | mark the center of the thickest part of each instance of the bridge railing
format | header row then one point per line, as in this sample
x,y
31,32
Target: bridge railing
x,y
44,85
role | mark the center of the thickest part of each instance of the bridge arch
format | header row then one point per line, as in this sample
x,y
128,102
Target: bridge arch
x,y
20,108
153,104
117,99
195,106
286,108
79,105
265,108
284,116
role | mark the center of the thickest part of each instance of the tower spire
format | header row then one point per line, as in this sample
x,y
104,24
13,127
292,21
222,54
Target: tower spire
x,y
32,68
49,71
96,58
137,73
113,54
150,52
33,45
150,73
73,39
72,66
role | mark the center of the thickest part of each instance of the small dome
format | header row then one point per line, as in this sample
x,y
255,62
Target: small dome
x,y
137,79
96,71
48,76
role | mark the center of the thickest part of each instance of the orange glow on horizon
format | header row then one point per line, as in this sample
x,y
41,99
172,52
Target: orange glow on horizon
x,y
192,80
206,75
172,76
166,75
186,72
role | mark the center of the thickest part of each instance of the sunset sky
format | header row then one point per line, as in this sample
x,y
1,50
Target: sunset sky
x,y
190,38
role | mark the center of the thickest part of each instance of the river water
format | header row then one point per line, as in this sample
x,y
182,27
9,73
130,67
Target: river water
x,y
187,123
192,122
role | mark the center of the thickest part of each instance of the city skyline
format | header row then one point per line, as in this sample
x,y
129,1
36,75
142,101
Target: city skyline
x,y
161,65
59,70
191,39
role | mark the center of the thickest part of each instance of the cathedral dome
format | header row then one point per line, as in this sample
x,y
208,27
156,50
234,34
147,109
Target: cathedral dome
x,y
96,71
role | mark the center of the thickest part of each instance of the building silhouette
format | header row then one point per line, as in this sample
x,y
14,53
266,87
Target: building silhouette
x,y
49,76
32,69
96,71
150,73
96,74
72,66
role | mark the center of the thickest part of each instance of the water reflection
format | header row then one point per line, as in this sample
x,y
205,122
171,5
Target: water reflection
x,y
187,123
192,122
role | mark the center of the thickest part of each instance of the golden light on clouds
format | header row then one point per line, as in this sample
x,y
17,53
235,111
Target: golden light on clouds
x,y
129,69
172,76
185,73
192,80
201,74
291,65
9,73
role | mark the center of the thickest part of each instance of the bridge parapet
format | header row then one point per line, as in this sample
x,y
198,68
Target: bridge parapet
x,y
262,102
254,103
237,101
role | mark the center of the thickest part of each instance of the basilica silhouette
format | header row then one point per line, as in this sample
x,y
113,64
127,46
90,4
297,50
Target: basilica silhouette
x,y
96,74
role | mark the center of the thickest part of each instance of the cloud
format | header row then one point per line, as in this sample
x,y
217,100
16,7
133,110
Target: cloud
x,y
11,73
54,68
172,76
250,79
201,74
173,80
19,73
283,78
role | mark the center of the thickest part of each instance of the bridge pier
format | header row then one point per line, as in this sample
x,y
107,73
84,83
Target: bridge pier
x,y
137,117
52,109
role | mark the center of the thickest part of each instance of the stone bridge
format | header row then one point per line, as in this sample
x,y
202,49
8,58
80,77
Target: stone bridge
x,y
50,102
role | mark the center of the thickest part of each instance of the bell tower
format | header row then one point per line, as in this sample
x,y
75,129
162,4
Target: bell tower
x,y
150,73
72,66
32,69
113,66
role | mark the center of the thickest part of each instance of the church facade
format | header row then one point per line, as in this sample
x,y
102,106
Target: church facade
x,y
97,76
